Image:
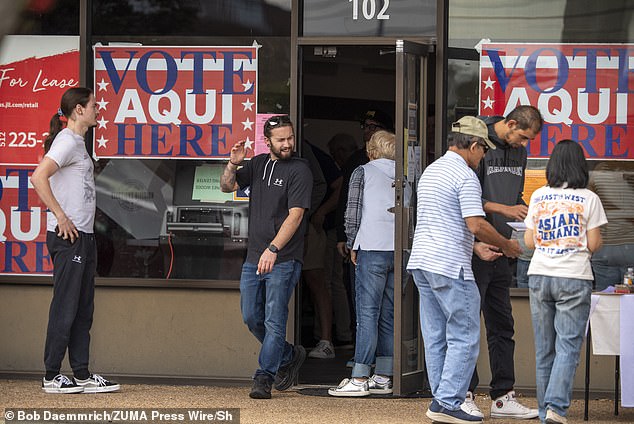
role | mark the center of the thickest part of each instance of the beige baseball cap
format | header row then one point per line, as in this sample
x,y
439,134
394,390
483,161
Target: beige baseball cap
x,y
471,125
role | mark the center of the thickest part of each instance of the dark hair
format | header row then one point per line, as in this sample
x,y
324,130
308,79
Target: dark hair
x,y
274,122
567,165
526,117
462,141
71,98
344,142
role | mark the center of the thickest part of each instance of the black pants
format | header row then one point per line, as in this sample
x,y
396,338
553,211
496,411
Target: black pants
x,y
70,315
494,281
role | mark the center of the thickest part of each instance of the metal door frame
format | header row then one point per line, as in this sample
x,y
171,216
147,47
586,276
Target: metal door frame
x,y
404,381
414,381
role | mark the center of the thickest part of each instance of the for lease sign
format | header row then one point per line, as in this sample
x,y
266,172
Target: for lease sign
x,y
582,90
178,102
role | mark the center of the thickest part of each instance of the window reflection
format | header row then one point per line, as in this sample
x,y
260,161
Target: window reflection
x,y
152,223
613,181
192,17
551,21
539,21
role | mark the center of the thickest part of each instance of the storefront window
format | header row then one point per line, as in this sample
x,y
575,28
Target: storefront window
x,y
59,17
151,224
153,219
571,60
39,60
192,17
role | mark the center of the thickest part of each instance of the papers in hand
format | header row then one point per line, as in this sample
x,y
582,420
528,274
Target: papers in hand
x,y
517,225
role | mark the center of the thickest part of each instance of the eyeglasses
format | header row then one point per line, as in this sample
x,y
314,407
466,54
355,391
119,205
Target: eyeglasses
x,y
372,127
485,147
274,121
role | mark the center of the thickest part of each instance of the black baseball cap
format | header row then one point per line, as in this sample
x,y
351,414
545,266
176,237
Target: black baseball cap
x,y
380,117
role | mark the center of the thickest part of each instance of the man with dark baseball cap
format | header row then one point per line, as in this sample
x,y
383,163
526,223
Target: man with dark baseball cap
x,y
374,120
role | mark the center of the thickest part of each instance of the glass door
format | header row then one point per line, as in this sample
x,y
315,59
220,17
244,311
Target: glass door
x,y
411,156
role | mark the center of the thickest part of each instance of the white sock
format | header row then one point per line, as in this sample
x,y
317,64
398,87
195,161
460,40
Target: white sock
x,y
381,379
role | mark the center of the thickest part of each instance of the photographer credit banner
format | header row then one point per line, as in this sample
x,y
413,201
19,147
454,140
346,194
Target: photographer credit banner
x,y
582,90
174,102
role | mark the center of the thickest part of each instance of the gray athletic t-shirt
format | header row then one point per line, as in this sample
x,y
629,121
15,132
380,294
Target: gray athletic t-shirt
x,y
73,184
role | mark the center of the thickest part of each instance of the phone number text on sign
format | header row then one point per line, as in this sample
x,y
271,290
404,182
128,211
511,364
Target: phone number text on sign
x,y
21,139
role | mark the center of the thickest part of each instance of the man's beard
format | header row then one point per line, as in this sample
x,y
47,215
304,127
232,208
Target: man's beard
x,y
282,155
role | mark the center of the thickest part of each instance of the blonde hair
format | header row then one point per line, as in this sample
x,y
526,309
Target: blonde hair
x,y
382,144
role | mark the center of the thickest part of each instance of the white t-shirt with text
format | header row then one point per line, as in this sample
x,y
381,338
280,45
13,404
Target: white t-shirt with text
x,y
561,219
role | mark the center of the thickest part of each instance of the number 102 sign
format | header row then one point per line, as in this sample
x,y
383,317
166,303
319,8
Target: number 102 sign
x,y
369,8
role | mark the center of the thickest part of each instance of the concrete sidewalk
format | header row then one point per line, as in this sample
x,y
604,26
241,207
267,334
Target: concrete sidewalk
x,y
285,407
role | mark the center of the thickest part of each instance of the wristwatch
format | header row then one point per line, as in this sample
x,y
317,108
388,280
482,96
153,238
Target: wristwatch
x,y
273,248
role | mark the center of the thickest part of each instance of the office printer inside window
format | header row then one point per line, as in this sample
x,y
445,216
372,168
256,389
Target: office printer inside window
x,y
149,225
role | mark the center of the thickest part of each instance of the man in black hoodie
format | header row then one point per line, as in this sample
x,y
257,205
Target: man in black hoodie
x,y
501,174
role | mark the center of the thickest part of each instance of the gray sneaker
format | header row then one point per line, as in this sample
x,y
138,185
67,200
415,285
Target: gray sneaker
x,y
323,350
60,384
97,384
377,388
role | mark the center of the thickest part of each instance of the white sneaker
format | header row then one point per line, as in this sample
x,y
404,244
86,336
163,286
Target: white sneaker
x,y
507,406
379,388
350,388
469,406
60,384
97,384
323,350
554,418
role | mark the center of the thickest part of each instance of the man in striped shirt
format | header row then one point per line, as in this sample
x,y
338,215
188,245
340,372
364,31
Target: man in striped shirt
x,y
449,215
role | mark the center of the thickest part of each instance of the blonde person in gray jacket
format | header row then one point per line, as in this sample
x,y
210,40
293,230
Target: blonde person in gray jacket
x,y
369,225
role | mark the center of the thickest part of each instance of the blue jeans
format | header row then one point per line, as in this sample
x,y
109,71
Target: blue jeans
x,y
521,273
559,309
264,304
609,264
450,324
374,283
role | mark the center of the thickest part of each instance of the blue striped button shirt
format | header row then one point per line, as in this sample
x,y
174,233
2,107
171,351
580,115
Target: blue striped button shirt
x,y
448,192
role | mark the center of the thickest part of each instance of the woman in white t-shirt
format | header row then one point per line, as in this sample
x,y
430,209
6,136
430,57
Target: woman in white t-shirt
x,y
563,226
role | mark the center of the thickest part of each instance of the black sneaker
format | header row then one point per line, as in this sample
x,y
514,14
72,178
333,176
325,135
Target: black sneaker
x,y
261,387
60,384
288,373
439,414
97,384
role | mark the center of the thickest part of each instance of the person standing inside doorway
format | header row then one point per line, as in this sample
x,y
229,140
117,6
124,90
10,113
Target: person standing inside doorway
x,y
280,185
563,225
448,216
65,182
373,120
501,175
369,218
